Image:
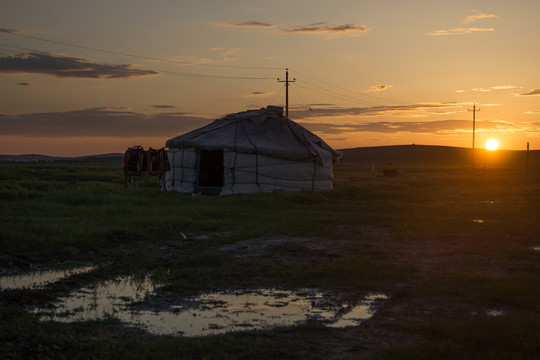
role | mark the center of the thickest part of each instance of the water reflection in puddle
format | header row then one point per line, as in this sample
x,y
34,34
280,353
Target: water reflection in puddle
x,y
360,312
39,279
207,314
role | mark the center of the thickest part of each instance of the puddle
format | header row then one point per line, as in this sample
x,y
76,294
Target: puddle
x,y
107,299
358,313
208,314
39,279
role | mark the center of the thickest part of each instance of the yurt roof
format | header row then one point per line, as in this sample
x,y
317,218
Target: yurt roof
x,y
265,131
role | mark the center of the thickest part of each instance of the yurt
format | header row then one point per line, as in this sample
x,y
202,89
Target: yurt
x,y
249,152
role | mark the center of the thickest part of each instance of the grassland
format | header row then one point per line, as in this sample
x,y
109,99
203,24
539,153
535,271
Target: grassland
x,y
449,245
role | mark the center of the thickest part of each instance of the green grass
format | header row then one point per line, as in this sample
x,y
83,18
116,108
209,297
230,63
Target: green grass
x,y
508,337
474,231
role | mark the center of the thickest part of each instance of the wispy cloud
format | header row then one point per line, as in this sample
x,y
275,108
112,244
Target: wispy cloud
x,y
260,94
378,88
440,127
99,122
477,16
11,31
318,28
226,53
494,88
163,106
332,30
459,31
186,60
67,67
246,24
406,111
505,87
481,90
534,92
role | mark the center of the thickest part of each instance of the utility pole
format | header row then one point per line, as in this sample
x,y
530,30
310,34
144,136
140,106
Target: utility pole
x,y
474,110
287,81
527,163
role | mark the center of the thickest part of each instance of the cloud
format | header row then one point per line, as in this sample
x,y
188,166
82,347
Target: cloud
x,y
67,67
99,122
458,31
467,30
534,92
505,87
186,60
327,29
246,24
379,88
440,127
24,83
11,31
413,110
259,94
163,106
226,53
123,123
494,88
477,16
318,28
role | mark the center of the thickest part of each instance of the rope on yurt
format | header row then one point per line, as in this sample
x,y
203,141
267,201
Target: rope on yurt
x,y
182,167
256,158
314,173
173,169
196,166
233,169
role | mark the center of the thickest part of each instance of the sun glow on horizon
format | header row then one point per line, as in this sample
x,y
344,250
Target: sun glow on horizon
x,y
492,144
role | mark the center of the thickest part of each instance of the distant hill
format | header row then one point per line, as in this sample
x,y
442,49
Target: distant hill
x,y
39,157
434,156
395,156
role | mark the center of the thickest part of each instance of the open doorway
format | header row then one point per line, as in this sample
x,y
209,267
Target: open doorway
x,y
210,171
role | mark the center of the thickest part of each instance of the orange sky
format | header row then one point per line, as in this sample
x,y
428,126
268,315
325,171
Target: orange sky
x,y
81,78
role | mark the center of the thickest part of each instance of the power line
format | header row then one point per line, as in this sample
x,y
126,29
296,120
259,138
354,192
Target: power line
x,y
335,94
275,96
349,90
175,73
143,57
338,96
342,139
166,72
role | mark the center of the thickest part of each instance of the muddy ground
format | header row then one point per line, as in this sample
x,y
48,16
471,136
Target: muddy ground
x,y
410,300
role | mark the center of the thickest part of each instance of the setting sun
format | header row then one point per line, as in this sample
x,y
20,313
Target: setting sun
x,y
492,144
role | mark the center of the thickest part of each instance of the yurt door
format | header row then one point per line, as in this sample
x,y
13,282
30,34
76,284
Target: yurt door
x,y
210,171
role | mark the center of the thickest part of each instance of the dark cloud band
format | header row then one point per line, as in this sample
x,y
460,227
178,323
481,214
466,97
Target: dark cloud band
x,y
113,122
67,67
99,122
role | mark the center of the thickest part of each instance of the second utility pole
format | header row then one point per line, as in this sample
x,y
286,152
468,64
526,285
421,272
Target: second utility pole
x,y
474,110
287,81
